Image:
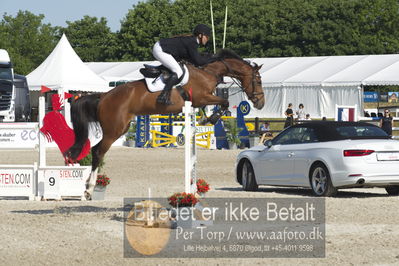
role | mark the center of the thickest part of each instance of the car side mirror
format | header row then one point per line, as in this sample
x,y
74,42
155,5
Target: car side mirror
x,y
268,143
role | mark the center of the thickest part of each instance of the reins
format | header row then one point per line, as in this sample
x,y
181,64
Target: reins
x,y
239,84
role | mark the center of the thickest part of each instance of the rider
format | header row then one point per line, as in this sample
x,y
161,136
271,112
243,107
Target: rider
x,y
170,50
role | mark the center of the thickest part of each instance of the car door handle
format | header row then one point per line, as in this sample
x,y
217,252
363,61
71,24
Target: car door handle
x,y
291,154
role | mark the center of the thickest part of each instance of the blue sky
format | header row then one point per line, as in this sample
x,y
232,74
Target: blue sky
x,y
57,12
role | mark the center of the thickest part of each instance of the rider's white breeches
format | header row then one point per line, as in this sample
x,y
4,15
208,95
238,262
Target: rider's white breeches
x,y
166,59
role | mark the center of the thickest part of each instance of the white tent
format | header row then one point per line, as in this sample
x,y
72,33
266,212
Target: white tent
x,y
64,70
386,76
318,82
115,71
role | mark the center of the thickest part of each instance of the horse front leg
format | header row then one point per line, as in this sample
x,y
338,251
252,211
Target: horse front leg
x,y
214,100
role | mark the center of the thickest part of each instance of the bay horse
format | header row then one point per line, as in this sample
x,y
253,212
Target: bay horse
x,y
116,108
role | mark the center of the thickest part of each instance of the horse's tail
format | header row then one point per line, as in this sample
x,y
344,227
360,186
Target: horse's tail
x,y
83,111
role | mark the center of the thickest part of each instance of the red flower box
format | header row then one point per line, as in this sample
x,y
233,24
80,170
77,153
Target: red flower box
x,y
202,186
103,180
182,200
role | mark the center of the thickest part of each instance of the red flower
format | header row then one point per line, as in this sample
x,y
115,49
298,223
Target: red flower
x,y
202,186
103,180
182,200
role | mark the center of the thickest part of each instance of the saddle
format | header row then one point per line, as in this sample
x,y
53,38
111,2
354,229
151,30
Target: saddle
x,y
149,71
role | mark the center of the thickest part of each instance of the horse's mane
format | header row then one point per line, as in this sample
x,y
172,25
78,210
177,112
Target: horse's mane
x,y
226,53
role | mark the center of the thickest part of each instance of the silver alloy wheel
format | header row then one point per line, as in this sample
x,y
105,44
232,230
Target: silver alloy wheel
x,y
319,180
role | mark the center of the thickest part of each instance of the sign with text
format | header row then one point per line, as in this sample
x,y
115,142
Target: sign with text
x,y
370,96
51,184
18,181
19,135
62,181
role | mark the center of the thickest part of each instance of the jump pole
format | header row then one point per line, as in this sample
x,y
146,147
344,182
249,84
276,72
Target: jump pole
x,y
42,141
190,148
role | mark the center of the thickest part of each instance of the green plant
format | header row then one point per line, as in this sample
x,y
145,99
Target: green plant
x,y
131,133
233,131
86,161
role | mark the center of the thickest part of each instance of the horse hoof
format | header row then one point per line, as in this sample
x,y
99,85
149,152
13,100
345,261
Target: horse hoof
x,y
203,121
214,118
87,195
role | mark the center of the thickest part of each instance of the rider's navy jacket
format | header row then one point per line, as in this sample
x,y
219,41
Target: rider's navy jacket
x,y
184,48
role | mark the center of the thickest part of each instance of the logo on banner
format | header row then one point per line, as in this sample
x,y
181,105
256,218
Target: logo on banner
x,y
15,179
244,107
180,139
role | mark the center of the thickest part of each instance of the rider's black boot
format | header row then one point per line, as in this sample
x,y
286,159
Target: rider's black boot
x,y
163,98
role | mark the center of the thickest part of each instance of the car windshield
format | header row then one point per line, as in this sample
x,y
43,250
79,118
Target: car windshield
x,y
360,131
5,73
296,135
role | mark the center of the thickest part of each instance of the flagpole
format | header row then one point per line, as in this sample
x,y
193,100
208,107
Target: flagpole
x,y
225,26
213,29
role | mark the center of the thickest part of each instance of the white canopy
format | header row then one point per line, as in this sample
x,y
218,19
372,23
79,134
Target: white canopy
x,y
386,76
64,70
115,71
318,82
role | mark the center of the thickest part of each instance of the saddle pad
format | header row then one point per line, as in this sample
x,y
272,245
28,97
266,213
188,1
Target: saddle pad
x,y
157,84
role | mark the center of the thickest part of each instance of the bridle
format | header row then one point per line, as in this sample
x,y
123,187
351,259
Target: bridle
x,y
255,81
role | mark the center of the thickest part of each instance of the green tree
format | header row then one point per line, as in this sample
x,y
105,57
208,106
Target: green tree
x,y
27,40
147,22
92,39
258,28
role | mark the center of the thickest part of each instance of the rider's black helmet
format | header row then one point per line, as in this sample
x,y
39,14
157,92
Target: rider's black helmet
x,y
202,29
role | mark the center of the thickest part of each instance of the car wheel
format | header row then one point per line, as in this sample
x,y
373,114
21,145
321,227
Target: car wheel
x,y
248,177
320,181
392,190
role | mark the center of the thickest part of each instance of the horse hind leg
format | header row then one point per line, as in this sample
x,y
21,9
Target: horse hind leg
x,y
94,170
98,153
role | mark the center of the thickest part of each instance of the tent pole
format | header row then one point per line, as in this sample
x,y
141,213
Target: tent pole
x,y
361,109
378,100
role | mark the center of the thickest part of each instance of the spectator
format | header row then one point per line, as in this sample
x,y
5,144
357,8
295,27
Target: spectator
x,y
386,122
308,117
301,112
265,129
289,114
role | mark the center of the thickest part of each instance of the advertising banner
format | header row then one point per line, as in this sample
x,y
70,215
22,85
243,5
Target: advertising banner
x,y
393,97
57,181
370,96
19,135
17,181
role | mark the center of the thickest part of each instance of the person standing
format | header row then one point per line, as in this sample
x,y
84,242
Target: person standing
x,y
301,112
289,114
386,122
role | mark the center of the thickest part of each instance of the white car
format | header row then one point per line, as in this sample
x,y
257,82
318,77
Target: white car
x,y
323,156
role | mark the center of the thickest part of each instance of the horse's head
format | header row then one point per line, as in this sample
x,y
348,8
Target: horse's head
x,y
247,74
